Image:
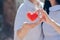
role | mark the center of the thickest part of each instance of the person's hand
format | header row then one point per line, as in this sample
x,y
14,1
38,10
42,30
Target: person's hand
x,y
45,17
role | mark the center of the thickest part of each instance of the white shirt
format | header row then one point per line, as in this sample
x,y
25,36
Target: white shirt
x,y
49,32
33,34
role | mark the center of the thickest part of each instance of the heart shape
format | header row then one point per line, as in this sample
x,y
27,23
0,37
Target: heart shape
x,y
32,16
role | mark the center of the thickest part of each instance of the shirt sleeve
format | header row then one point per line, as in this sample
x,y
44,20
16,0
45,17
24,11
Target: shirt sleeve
x,y
19,20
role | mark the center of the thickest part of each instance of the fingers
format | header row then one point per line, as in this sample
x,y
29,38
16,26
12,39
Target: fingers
x,y
43,14
38,11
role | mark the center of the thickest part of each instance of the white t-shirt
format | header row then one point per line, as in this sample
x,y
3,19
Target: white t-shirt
x,y
49,32
33,34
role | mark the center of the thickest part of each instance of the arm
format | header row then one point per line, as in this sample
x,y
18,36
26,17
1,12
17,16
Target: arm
x,y
21,33
55,25
50,21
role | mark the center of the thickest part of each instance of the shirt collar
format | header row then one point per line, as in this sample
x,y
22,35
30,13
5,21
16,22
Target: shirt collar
x,y
28,3
54,8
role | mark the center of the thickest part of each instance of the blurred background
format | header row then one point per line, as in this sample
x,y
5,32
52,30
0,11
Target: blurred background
x,y
8,9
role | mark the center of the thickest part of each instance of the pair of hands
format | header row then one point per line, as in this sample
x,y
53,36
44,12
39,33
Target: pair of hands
x,y
44,18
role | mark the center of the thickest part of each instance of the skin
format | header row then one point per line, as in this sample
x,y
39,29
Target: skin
x,y
53,2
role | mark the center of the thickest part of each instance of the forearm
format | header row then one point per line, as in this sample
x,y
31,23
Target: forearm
x,y
56,26
21,33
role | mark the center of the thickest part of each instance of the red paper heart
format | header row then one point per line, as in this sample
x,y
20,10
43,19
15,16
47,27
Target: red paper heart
x,y
32,16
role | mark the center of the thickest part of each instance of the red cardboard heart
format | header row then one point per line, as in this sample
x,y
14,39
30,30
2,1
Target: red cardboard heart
x,y
32,16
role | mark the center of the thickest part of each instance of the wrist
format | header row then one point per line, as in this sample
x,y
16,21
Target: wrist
x,y
51,22
26,28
